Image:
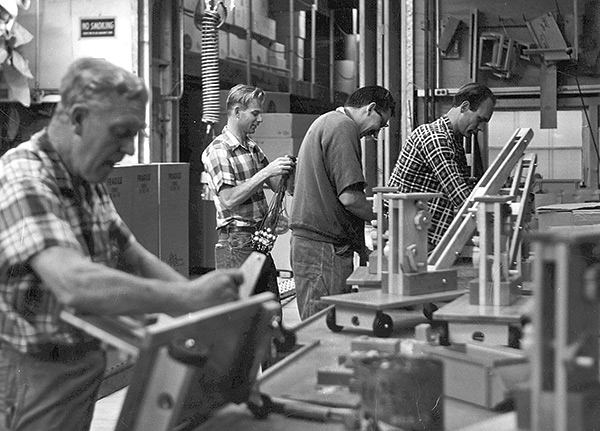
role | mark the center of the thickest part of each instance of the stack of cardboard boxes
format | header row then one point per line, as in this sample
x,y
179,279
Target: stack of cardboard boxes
x,y
272,34
292,33
152,199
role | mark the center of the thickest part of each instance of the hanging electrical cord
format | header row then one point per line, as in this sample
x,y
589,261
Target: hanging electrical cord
x,y
208,21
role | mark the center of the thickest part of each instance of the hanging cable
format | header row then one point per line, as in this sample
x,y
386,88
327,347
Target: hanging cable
x,y
208,22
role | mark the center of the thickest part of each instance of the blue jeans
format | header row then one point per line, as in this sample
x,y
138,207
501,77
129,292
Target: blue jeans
x,y
48,395
231,251
320,269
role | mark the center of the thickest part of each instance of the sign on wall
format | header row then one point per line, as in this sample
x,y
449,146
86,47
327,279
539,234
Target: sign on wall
x,y
98,27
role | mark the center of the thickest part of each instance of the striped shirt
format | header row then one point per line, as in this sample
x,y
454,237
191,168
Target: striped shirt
x,y
433,161
231,163
43,206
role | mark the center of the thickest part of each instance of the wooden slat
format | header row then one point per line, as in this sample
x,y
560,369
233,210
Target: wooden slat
x,y
530,162
477,191
494,178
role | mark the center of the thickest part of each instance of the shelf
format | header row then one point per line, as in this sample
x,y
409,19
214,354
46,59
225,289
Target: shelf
x,y
524,91
242,33
302,5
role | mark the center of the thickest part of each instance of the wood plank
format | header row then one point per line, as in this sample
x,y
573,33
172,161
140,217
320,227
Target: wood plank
x,y
362,277
464,224
530,161
461,310
481,188
377,300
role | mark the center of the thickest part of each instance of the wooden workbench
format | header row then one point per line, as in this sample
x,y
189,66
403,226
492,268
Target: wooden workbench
x,y
300,377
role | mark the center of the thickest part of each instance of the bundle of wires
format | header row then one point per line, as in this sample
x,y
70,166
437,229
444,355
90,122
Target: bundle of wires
x,y
267,230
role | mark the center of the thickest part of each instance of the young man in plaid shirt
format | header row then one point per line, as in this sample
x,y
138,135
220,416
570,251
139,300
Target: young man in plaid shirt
x,y
432,160
238,170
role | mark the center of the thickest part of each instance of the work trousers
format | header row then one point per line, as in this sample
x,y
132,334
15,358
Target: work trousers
x,y
232,250
49,394
320,269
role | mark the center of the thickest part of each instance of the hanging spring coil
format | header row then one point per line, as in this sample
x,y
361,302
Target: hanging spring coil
x,y
211,21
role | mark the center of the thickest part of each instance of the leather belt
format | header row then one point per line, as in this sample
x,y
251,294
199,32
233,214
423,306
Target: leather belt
x,y
232,228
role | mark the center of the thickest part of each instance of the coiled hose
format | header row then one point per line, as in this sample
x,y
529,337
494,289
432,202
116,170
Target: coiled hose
x,y
210,67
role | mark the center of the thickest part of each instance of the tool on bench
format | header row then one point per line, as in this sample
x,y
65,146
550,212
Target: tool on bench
x,y
297,409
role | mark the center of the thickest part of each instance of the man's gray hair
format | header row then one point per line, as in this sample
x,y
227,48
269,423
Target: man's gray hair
x,y
95,80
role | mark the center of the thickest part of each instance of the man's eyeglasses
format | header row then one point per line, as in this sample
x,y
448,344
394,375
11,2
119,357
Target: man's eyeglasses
x,y
382,125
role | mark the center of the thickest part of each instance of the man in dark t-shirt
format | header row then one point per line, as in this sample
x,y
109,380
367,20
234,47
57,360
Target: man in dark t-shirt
x,y
330,206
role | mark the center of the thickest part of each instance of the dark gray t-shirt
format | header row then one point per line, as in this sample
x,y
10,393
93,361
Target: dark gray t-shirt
x,y
329,161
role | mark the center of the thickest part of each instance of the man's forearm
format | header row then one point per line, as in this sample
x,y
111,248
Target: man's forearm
x,y
231,197
147,265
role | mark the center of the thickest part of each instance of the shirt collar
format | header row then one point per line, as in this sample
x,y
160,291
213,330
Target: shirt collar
x,y
235,142
445,120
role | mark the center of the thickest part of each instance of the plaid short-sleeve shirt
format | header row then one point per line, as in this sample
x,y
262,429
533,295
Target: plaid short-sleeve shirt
x,y
229,162
42,206
433,161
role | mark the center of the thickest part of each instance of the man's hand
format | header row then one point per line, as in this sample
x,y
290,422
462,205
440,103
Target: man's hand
x,y
281,166
214,288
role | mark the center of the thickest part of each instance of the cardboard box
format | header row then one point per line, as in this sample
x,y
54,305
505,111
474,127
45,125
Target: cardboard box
x,y
240,13
120,188
173,215
144,203
192,35
276,55
568,214
284,26
238,47
263,25
275,102
223,44
277,125
259,53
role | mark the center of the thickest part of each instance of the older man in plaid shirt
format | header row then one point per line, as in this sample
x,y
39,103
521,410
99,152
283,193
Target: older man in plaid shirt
x,y
62,244
238,170
432,159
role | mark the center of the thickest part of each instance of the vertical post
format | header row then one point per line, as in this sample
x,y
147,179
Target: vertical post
x,y
541,333
548,97
331,55
313,47
291,49
144,72
482,222
249,44
407,244
590,156
561,336
498,249
380,231
381,80
393,266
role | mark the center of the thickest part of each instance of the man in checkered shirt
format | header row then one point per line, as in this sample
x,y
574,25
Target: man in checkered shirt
x,y
63,244
432,160
238,170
